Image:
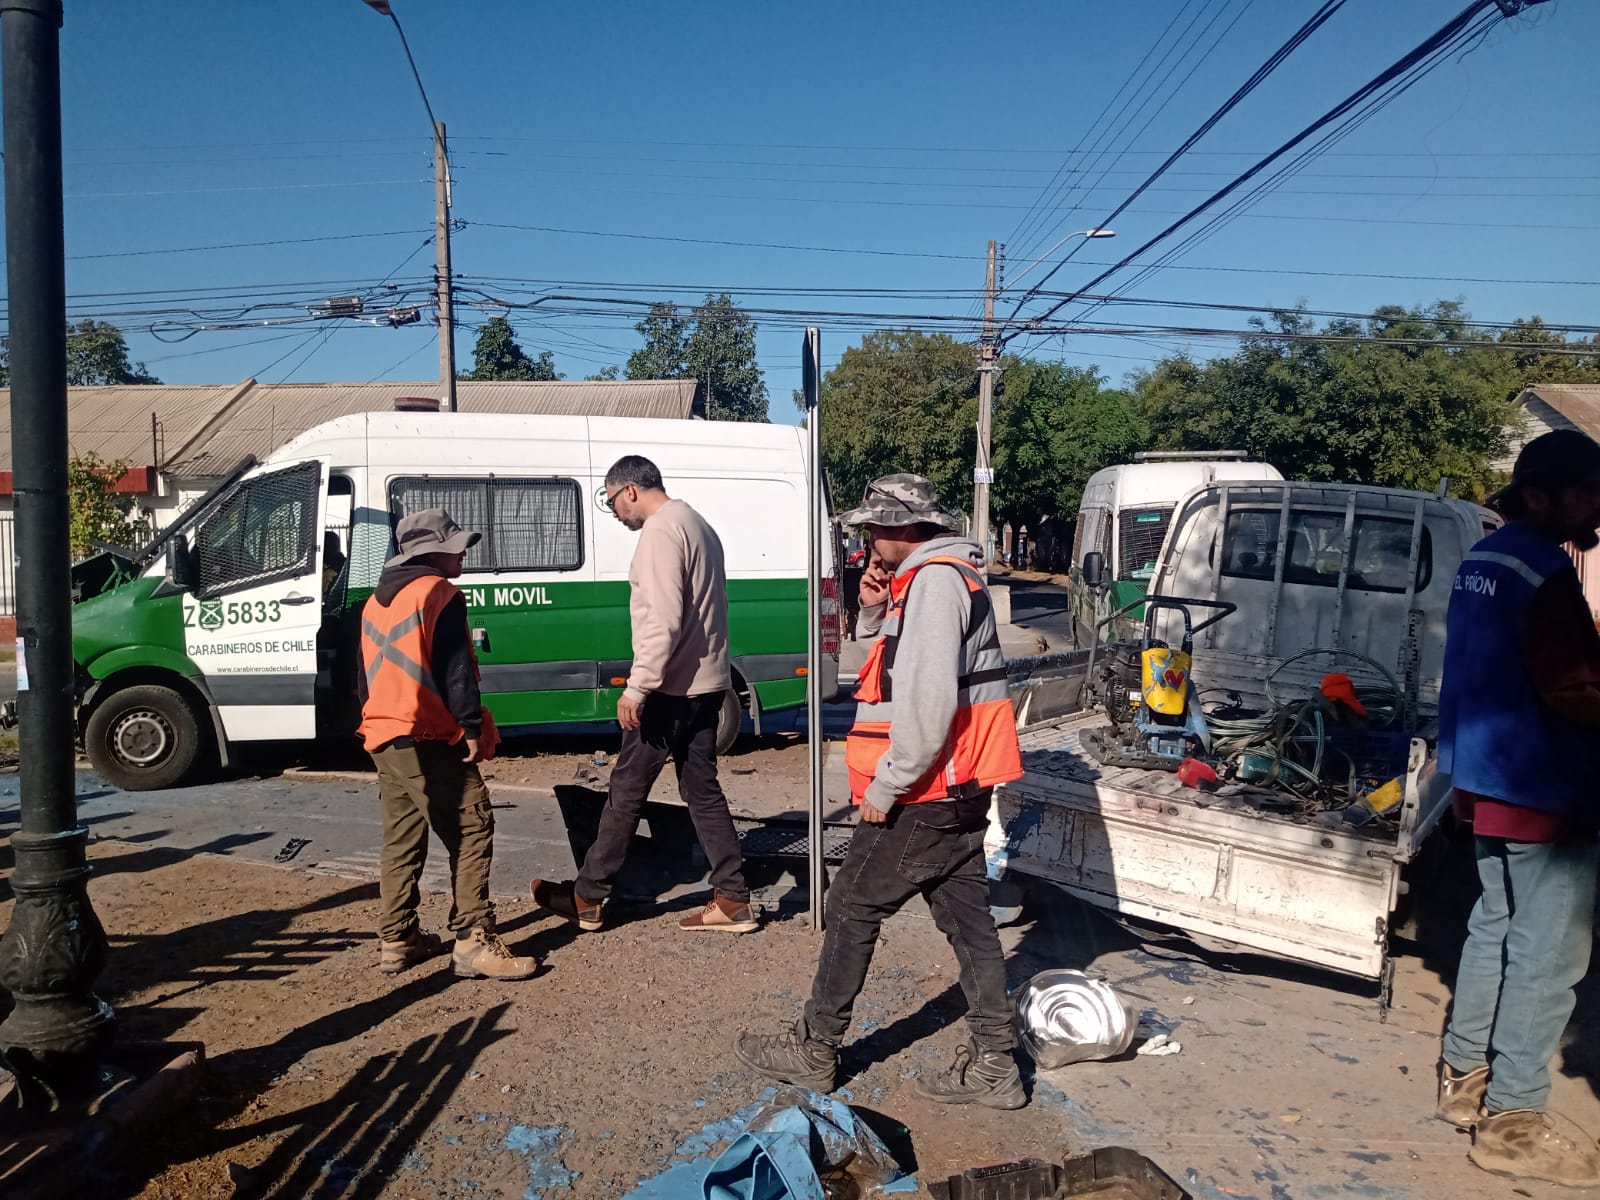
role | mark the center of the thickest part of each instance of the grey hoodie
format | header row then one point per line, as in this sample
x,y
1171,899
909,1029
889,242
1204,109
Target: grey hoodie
x,y
927,664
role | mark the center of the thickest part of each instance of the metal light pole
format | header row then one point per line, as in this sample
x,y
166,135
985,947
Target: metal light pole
x,y
441,222
54,946
988,355
818,529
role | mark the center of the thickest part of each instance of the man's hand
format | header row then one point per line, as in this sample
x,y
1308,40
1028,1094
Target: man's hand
x,y
628,712
873,816
875,583
473,753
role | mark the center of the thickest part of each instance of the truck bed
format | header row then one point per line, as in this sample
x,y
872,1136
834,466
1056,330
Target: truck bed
x,y
1137,842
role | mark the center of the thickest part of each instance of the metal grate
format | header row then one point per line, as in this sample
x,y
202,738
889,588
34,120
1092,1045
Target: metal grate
x,y
1140,532
265,529
763,839
527,524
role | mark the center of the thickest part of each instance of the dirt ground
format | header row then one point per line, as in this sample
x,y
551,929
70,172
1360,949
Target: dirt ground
x,y
610,1073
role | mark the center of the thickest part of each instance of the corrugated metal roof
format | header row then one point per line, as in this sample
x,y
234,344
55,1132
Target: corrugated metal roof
x,y
114,422
1577,402
206,430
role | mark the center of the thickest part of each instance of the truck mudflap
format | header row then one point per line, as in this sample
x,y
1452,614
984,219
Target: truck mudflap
x,y
1137,842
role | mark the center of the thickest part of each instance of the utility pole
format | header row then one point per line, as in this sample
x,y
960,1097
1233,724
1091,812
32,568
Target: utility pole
x,y
441,237
54,946
982,473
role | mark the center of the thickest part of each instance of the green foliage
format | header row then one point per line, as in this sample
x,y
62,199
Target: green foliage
x,y
716,345
98,513
1361,412
605,374
1053,427
96,354
902,401
498,355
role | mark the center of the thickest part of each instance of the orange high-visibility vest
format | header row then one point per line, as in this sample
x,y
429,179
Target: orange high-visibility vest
x,y
982,748
403,700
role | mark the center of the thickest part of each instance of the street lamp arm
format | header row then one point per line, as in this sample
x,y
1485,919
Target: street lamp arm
x,y
383,7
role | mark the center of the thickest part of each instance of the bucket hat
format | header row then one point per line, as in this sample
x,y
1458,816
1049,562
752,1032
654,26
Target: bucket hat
x,y
894,500
430,531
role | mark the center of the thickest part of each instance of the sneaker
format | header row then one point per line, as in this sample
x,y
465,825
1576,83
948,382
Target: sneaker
x,y
1461,1094
1525,1144
563,900
986,1077
482,955
723,916
793,1056
415,947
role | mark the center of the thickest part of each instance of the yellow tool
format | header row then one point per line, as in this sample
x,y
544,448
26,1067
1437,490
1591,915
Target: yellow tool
x,y
1165,678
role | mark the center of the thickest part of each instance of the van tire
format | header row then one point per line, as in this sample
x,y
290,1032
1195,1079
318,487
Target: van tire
x,y
144,737
729,721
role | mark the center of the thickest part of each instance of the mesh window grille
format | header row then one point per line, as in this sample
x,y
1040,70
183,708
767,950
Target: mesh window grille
x,y
263,530
1140,532
527,524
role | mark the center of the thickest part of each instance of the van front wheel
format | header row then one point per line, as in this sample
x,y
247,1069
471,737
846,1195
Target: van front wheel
x,y
143,738
729,721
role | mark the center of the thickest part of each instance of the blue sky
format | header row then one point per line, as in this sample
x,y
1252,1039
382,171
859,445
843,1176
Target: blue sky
x,y
922,129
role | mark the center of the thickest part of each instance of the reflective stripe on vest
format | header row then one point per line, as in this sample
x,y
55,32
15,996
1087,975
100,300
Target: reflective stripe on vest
x,y
982,748
403,700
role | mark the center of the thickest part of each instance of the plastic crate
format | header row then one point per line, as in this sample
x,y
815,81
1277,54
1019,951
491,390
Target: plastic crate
x,y
1377,753
1110,1173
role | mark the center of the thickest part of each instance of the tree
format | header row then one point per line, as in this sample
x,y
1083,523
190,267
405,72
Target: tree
x,y
1368,411
497,355
666,334
96,354
97,512
721,354
902,401
716,345
605,374
1054,426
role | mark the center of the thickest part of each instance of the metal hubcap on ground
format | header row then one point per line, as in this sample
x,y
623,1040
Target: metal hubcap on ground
x,y
142,738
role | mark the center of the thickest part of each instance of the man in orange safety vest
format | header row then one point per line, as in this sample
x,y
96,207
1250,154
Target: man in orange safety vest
x,y
934,733
423,722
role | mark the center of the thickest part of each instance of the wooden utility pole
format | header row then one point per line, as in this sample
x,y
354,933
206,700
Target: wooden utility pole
x,y
982,473
441,237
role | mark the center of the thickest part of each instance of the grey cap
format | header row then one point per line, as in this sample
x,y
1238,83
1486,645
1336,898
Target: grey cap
x,y
903,499
430,531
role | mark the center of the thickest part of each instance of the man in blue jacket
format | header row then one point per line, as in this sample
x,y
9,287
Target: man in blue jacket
x,y
1519,717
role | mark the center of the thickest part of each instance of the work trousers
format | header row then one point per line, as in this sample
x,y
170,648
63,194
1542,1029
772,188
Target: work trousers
x,y
423,786
1527,948
935,850
682,729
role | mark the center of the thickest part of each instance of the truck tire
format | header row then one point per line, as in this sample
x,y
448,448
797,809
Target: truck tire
x,y
144,737
728,721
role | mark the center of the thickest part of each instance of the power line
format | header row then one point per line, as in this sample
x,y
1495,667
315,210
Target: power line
x,y
335,237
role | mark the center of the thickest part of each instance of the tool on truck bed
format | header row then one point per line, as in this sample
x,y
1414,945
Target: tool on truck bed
x,y
1156,718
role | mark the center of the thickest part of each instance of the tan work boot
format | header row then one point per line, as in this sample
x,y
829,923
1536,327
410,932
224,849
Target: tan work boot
x,y
415,947
482,955
1525,1144
721,916
1461,1095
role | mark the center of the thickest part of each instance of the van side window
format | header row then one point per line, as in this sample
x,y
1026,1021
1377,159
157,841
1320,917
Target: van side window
x,y
265,529
1380,550
527,524
1141,532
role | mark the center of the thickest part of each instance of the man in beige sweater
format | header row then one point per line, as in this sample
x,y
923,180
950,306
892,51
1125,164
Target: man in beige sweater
x,y
679,609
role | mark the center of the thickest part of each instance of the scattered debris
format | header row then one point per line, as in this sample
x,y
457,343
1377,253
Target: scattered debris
x,y
1160,1046
291,848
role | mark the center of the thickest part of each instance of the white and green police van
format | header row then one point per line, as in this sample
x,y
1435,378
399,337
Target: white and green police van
x,y
240,623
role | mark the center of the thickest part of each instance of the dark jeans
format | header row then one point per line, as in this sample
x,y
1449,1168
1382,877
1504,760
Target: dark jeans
x,y
936,850
683,729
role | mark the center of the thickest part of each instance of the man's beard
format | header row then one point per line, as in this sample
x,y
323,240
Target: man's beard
x,y
1587,540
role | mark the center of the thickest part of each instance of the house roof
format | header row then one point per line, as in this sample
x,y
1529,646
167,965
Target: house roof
x,y
202,431
1577,402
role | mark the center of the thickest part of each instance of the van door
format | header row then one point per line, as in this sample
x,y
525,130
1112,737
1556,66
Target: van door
x,y
250,622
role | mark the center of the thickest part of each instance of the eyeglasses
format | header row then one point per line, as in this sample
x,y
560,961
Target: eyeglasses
x,y
608,500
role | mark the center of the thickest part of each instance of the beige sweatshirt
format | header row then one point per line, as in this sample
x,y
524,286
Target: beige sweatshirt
x,y
679,605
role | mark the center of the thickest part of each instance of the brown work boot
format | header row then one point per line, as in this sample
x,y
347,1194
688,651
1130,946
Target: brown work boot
x,y
986,1077
722,916
1525,1144
1461,1094
482,955
793,1056
562,899
415,947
